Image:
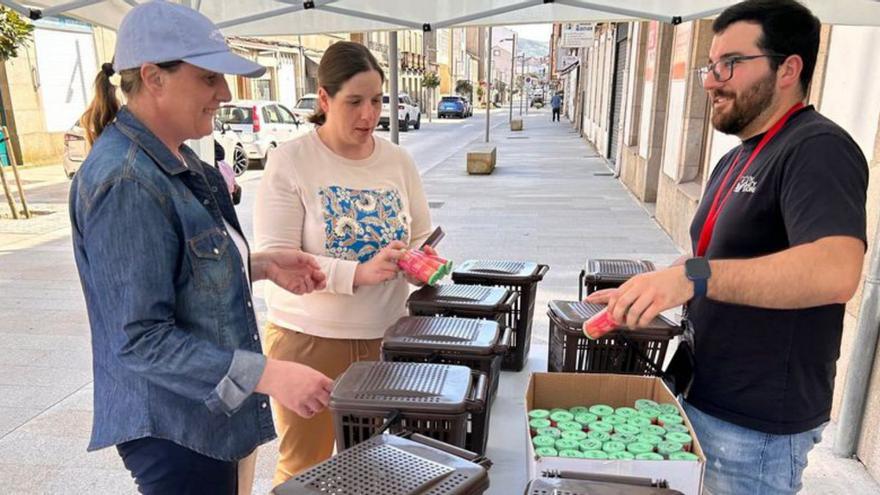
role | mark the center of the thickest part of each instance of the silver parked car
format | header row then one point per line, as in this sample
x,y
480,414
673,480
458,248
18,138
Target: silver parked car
x,y
75,149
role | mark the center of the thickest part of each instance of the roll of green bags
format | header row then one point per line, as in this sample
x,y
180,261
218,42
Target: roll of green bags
x,y
546,452
599,436
539,414
601,426
595,454
640,448
577,436
602,410
612,446
590,444
550,432
543,441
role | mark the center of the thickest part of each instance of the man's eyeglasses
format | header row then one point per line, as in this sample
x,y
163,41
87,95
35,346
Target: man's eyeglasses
x,y
723,69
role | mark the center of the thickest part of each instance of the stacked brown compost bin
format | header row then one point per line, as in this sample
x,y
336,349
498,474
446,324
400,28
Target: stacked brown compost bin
x,y
603,408
437,381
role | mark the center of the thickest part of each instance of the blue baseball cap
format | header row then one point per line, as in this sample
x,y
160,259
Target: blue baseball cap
x,y
160,31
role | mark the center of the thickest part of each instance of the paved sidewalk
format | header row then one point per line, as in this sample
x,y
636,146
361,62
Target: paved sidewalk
x,y
550,200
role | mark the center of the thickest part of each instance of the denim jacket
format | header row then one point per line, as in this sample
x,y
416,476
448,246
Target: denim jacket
x,y
175,347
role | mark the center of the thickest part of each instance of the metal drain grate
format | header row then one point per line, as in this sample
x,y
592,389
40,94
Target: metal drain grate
x,y
436,204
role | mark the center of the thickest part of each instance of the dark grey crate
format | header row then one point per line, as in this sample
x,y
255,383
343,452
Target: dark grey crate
x,y
571,351
391,465
601,274
521,277
478,344
444,402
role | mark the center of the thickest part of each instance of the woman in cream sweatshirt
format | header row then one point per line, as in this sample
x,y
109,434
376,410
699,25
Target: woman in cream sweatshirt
x,y
356,203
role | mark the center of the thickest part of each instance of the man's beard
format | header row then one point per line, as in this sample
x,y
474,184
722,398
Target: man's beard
x,y
745,107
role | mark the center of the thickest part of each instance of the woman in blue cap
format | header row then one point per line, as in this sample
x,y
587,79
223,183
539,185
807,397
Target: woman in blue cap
x,y
180,384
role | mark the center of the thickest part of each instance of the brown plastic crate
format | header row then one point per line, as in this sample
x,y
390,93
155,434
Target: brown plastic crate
x,y
571,351
478,344
521,277
444,402
601,274
391,465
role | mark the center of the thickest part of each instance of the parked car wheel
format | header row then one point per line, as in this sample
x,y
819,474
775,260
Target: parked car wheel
x,y
385,127
418,124
404,124
239,161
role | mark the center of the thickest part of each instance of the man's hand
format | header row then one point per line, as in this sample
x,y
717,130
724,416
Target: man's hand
x,y
382,267
638,301
290,269
297,387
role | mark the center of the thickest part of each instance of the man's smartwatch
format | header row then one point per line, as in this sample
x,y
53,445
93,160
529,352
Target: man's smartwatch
x,y
698,271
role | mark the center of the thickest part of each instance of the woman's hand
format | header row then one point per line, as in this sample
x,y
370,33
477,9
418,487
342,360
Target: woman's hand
x,y
297,387
382,267
290,269
413,281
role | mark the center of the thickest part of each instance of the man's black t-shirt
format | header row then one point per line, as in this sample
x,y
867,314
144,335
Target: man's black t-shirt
x,y
773,370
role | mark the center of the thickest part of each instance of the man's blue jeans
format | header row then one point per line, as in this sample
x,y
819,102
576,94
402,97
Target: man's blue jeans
x,y
740,461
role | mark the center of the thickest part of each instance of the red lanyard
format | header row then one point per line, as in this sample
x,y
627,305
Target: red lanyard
x,y
709,224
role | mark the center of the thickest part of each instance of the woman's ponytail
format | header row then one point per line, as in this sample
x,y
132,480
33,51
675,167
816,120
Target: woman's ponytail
x,y
103,108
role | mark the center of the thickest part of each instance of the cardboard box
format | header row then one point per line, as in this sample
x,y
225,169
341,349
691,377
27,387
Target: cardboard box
x,y
566,390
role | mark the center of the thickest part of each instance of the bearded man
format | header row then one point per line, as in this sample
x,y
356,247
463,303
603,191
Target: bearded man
x,y
778,244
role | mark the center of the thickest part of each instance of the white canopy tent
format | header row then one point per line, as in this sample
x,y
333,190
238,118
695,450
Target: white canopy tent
x,y
299,17
292,17
286,17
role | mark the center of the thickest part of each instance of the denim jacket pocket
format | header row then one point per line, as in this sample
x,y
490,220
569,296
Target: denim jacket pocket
x,y
211,260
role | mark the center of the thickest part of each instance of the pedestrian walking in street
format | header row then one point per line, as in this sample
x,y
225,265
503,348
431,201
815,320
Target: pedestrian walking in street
x,y
778,244
356,203
556,105
180,383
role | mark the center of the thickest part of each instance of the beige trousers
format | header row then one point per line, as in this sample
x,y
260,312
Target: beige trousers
x,y
306,442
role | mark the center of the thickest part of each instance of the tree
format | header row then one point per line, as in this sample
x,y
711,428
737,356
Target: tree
x,y
480,93
430,81
15,33
464,87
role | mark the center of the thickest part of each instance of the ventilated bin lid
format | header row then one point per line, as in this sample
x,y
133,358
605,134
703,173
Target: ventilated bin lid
x,y
562,486
615,270
382,386
573,314
463,297
389,465
484,271
426,333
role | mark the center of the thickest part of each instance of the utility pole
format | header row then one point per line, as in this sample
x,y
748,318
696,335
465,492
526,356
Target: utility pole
x,y
512,75
522,85
392,87
488,81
